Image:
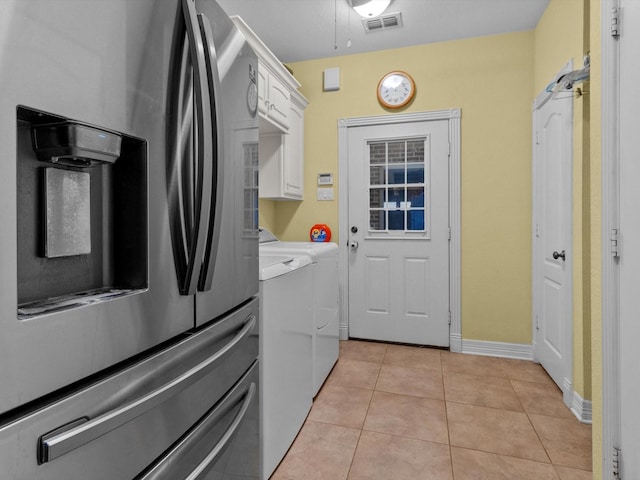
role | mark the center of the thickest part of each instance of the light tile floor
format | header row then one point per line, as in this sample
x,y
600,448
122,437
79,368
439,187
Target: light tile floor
x,y
393,412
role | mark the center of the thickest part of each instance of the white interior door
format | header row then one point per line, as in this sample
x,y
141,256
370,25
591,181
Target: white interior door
x,y
629,261
399,232
552,239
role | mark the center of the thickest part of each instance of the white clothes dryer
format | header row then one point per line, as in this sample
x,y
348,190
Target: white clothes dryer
x,y
286,329
326,298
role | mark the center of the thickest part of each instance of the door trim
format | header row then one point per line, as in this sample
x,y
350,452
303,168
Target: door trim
x,y
453,116
537,257
610,116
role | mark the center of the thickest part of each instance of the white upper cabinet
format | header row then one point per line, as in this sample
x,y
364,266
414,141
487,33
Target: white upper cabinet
x,y
281,110
273,98
282,157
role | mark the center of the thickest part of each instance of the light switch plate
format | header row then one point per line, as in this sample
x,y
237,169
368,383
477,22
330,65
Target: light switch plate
x,y
325,194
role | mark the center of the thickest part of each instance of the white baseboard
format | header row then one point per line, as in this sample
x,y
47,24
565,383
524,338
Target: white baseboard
x,y
581,408
344,332
519,351
455,343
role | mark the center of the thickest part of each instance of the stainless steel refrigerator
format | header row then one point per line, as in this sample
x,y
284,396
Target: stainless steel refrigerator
x,y
128,246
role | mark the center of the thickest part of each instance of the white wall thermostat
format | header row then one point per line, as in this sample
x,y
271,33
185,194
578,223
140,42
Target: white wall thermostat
x,y
325,179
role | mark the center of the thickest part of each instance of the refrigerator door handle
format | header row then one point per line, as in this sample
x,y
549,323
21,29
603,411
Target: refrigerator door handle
x,y
58,443
165,466
206,274
204,150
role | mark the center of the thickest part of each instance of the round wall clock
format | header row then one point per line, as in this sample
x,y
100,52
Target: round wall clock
x,y
396,89
252,98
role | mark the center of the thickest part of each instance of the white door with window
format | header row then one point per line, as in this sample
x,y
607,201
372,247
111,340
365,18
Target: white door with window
x,y
398,220
553,322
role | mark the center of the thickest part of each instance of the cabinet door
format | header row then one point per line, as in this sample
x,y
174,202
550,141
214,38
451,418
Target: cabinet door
x,y
279,102
293,167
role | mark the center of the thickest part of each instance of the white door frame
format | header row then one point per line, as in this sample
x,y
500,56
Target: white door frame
x,y
453,116
610,220
538,256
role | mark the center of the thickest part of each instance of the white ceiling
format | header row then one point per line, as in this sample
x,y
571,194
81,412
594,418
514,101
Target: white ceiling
x,y
298,30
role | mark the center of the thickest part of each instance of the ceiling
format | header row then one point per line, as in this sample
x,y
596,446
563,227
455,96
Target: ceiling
x,y
298,30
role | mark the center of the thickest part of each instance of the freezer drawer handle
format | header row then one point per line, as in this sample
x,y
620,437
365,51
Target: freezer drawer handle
x,y
54,446
164,468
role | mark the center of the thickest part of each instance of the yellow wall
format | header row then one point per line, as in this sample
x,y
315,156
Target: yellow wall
x,y
562,34
267,215
595,179
491,80
558,37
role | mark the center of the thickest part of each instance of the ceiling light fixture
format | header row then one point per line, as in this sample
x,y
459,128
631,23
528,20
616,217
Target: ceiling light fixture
x,y
369,8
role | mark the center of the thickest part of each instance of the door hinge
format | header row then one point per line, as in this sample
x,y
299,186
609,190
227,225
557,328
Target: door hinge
x,y
615,22
616,458
449,317
615,243
449,234
537,230
537,322
537,138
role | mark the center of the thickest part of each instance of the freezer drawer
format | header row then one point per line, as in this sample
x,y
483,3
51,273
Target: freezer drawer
x,y
117,427
223,444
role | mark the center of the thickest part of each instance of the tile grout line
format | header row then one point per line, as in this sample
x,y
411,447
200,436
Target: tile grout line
x,y
521,458
504,376
446,416
354,455
540,440
365,416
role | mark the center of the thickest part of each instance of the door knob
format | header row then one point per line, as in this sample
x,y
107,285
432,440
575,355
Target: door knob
x,y
557,255
353,244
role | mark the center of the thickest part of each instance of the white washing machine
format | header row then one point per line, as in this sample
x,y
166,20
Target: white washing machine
x,y
324,256
286,328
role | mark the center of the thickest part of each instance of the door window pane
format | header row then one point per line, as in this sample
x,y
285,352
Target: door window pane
x,y
415,151
415,173
378,174
377,153
398,185
396,174
377,197
396,198
250,151
415,220
377,220
396,152
396,220
415,197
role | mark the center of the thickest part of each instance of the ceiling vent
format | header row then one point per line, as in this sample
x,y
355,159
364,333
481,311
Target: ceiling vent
x,y
383,22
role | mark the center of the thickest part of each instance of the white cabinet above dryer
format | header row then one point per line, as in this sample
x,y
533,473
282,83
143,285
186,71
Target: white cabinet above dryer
x,y
282,157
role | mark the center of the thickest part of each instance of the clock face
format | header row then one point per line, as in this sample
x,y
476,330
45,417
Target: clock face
x,y
252,98
396,89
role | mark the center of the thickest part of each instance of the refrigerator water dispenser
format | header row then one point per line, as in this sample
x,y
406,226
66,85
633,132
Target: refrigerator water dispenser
x,y
82,213
75,145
